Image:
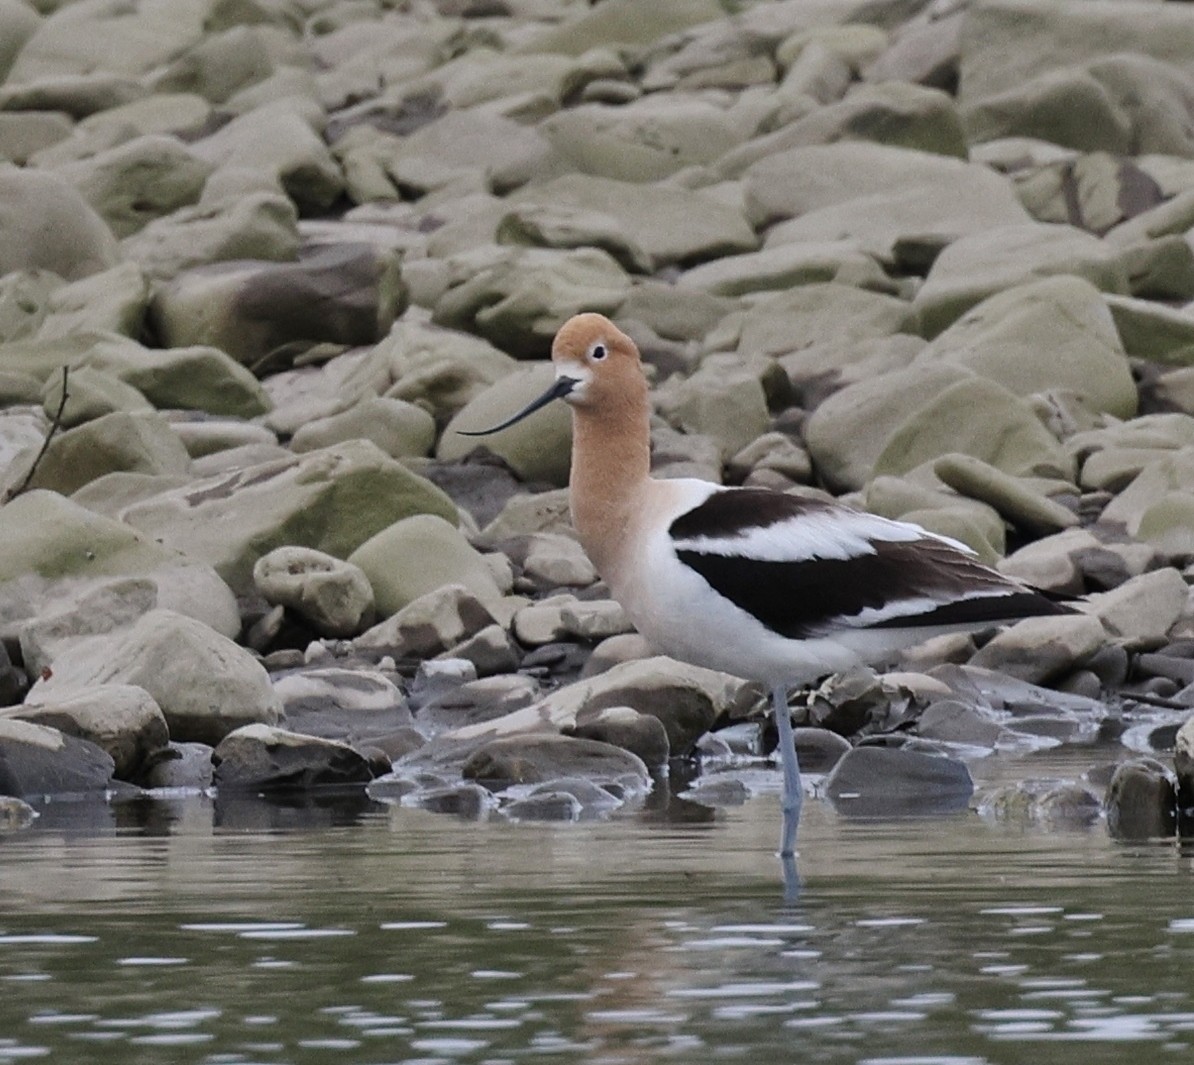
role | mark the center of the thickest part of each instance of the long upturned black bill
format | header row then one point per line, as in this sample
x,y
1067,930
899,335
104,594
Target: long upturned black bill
x,y
559,389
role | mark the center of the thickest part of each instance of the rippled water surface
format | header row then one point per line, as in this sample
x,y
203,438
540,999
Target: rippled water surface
x,y
185,932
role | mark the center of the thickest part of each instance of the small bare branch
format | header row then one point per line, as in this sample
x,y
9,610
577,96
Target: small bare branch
x,y
55,425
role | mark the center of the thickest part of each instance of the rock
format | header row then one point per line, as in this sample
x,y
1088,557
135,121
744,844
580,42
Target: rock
x,y
728,405
541,758
517,298
882,782
567,799
622,726
45,224
549,225
266,758
1143,609
1183,764
952,721
977,266
818,750
342,294
137,441
1021,506
137,181
1153,331
643,141
57,558
669,225
538,449
1008,436
15,814
400,429
122,719
331,500
92,394
552,560
1043,802
687,699
1049,563
112,301
621,22
1038,650
821,313
38,761
18,22
1002,337
179,766
490,650
427,626
183,114
1162,485
876,195
352,705
236,224
333,596
205,437
417,555
277,140
1141,801
785,266
225,62
184,378
204,683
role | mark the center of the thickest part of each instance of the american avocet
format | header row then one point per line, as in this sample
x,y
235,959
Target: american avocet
x,y
768,586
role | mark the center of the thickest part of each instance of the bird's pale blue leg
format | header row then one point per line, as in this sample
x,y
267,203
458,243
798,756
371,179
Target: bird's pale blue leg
x,y
793,794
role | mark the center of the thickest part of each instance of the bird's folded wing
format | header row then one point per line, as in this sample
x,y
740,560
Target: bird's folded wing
x,y
805,568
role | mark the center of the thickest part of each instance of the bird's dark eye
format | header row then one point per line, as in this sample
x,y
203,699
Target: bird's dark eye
x,y
597,351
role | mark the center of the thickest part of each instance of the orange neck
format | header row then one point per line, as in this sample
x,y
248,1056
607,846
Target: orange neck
x,y
611,460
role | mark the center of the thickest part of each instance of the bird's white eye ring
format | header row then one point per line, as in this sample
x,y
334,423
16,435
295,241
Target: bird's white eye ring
x,y
597,352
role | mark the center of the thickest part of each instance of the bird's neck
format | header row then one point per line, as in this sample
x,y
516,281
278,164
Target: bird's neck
x,y
611,462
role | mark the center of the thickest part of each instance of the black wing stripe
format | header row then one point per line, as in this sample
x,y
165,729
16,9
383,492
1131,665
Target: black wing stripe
x,y
804,598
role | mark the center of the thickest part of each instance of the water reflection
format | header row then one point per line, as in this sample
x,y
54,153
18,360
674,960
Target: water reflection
x,y
202,932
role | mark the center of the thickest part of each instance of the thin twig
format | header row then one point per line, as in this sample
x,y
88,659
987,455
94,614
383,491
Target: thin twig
x,y
55,425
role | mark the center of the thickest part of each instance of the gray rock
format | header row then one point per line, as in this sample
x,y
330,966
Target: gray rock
x,y
45,224
1142,610
352,705
181,766
1183,763
122,719
331,500
37,761
15,814
952,721
112,301
204,683
1141,801
265,758
536,759
1038,650
818,750
334,596
429,625
399,428
1021,506
417,555
642,734
886,782
342,294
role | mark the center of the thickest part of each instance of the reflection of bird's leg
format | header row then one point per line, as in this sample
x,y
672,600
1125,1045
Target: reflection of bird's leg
x,y
793,794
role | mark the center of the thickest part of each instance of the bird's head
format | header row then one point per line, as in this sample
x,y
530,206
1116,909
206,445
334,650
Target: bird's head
x,y
596,366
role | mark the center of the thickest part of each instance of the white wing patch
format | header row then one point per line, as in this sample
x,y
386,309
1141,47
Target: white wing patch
x,y
836,533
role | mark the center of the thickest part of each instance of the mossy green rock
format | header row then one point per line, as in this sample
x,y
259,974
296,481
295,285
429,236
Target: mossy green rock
x,y
1153,331
670,224
1003,338
400,429
333,500
90,394
978,266
140,442
418,555
53,551
538,448
45,224
112,301
980,418
848,432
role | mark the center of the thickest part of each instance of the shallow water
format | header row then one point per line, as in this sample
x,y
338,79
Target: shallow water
x,y
193,932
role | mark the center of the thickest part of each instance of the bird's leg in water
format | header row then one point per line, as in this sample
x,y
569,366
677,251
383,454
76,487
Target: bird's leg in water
x,y
793,794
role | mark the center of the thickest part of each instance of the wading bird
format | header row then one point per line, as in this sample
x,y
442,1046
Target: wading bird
x,y
766,585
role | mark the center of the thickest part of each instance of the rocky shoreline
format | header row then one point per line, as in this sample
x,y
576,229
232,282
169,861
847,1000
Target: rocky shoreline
x,y
259,260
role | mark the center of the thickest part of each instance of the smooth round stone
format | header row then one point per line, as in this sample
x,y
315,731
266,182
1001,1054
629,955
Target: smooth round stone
x,y
333,595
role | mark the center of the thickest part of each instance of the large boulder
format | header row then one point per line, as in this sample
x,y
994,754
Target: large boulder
x,y
204,683
60,561
45,224
38,761
262,757
332,499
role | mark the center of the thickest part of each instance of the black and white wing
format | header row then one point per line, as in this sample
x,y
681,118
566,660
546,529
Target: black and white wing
x,y
805,568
